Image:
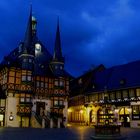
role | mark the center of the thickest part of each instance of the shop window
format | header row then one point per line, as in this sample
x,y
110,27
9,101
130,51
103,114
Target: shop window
x,y
136,112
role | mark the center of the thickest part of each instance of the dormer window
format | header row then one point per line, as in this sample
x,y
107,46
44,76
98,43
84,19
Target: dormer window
x,y
122,82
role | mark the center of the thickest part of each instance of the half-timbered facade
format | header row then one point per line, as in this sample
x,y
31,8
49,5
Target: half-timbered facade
x,y
121,86
34,85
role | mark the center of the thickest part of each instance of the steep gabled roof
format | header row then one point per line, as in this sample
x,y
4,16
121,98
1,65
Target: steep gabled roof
x,y
57,56
80,85
28,34
42,59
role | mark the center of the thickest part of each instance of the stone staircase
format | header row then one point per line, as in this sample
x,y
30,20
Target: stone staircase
x,y
38,121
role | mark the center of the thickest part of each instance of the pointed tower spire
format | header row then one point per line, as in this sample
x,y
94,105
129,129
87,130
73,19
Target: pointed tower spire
x,y
57,50
28,33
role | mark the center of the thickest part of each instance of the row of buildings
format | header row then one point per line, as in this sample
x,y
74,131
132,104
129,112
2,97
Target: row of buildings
x,y
34,85
119,86
36,91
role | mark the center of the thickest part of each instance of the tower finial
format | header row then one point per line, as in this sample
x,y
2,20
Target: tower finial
x,y
57,50
28,33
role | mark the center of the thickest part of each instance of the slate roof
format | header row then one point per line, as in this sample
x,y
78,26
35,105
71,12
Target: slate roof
x,y
42,60
116,78
79,85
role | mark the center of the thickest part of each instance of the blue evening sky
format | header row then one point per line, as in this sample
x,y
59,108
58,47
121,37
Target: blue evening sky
x,y
93,32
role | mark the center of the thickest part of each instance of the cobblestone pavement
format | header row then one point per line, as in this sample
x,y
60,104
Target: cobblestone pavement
x,y
70,133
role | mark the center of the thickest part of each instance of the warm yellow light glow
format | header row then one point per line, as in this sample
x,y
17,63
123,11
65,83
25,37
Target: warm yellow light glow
x,y
1,117
81,111
69,110
88,109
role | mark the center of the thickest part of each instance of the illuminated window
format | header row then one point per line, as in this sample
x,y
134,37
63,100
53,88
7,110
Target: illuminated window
x,y
125,94
136,109
132,93
2,103
112,96
136,112
118,94
28,99
23,77
56,83
60,102
22,99
37,84
138,92
61,83
29,78
37,48
46,85
101,96
42,84
55,102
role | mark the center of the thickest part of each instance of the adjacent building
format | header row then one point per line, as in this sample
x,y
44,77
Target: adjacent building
x,y
119,85
34,86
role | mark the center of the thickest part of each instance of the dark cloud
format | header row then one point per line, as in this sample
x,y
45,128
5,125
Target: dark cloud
x,y
92,31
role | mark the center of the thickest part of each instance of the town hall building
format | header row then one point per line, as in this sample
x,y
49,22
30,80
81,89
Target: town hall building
x,y
34,85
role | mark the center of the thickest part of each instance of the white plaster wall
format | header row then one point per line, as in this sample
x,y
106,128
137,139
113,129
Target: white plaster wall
x,y
65,112
11,107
